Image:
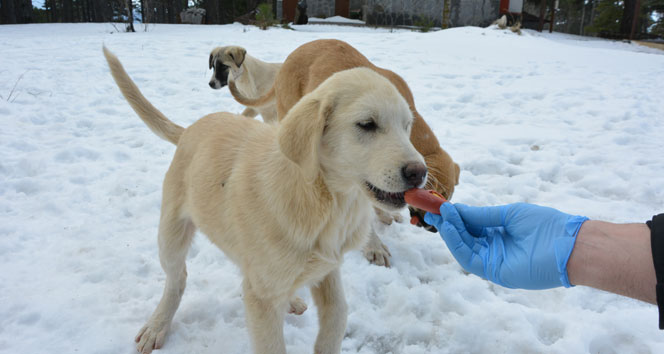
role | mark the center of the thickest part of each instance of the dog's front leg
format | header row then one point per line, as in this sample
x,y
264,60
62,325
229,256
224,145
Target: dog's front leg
x,y
375,250
249,112
332,313
265,320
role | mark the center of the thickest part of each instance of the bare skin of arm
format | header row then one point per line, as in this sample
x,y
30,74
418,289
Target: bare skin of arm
x,y
616,258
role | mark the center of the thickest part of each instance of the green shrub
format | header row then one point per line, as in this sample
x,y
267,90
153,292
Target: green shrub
x,y
424,23
264,16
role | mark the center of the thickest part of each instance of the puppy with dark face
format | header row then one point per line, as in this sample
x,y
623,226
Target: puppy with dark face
x,y
252,77
222,59
220,74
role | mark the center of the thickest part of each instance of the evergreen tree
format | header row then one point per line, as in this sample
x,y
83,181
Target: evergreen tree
x,y
606,23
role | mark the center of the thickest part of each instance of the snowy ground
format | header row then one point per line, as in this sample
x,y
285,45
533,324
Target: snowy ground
x,y
558,120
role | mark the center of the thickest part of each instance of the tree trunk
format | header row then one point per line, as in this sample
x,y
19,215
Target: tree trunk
x,y
592,12
91,11
541,18
27,11
627,17
211,14
67,11
252,4
144,15
180,5
583,17
162,13
158,10
8,11
130,16
168,5
635,21
176,6
101,12
53,11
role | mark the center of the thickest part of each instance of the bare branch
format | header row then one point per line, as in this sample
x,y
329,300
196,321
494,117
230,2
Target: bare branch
x,y
14,88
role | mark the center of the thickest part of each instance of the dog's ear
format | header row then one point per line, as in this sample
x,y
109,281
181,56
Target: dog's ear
x,y
457,172
237,54
301,131
211,60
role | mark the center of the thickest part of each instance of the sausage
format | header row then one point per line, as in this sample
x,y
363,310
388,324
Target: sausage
x,y
424,199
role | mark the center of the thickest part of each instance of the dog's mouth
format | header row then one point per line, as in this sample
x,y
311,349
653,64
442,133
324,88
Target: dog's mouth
x,y
216,84
392,199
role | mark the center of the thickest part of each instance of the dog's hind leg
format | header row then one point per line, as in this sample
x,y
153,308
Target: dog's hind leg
x,y
265,320
175,237
332,313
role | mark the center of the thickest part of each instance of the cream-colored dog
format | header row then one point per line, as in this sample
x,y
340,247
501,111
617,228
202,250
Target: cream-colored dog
x,y
253,77
283,202
311,64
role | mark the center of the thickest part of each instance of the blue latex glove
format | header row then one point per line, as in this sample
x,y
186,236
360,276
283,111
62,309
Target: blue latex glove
x,y
520,245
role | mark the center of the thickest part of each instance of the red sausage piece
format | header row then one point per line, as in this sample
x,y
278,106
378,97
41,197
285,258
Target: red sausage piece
x,y
425,199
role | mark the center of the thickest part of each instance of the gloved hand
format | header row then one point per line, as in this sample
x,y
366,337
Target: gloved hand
x,y
517,245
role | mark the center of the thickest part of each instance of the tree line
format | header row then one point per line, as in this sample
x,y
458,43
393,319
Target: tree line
x,y
146,11
606,18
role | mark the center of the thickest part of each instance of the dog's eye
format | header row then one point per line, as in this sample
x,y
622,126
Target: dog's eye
x,y
368,125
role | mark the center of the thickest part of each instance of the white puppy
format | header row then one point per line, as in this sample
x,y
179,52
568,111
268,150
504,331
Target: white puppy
x,y
283,202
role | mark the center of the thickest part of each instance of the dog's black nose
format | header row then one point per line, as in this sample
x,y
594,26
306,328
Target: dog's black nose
x,y
414,173
212,84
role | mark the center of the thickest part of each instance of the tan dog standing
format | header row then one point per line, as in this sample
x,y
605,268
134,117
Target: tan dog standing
x,y
284,203
311,64
253,77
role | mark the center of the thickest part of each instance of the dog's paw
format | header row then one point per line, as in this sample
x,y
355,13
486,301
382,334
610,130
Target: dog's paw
x,y
151,336
387,218
417,219
297,306
377,253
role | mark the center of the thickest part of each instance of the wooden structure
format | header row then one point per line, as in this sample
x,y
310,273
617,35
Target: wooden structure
x,y
341,8
514,7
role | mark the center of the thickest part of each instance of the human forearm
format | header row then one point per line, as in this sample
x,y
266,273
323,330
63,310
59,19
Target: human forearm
x,y
615,258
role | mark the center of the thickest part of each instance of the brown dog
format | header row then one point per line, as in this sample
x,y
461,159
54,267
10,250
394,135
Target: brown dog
x,y
311,64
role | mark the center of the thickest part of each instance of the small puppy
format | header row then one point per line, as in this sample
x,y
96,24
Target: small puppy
x,y
283,202
311,64
253,77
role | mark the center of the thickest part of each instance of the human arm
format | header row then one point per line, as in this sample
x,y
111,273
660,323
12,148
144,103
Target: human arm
x,y
616,258
520,245
533,247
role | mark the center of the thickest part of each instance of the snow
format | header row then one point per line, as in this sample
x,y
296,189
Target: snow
x,y
551,119
335,19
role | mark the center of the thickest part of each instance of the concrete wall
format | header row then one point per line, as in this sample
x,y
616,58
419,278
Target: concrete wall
x,y
325,8
406,12
473,12
417,12
357,4
320,8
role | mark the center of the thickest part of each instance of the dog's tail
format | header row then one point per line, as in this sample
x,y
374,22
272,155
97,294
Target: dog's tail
x,y
155,120
250,102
